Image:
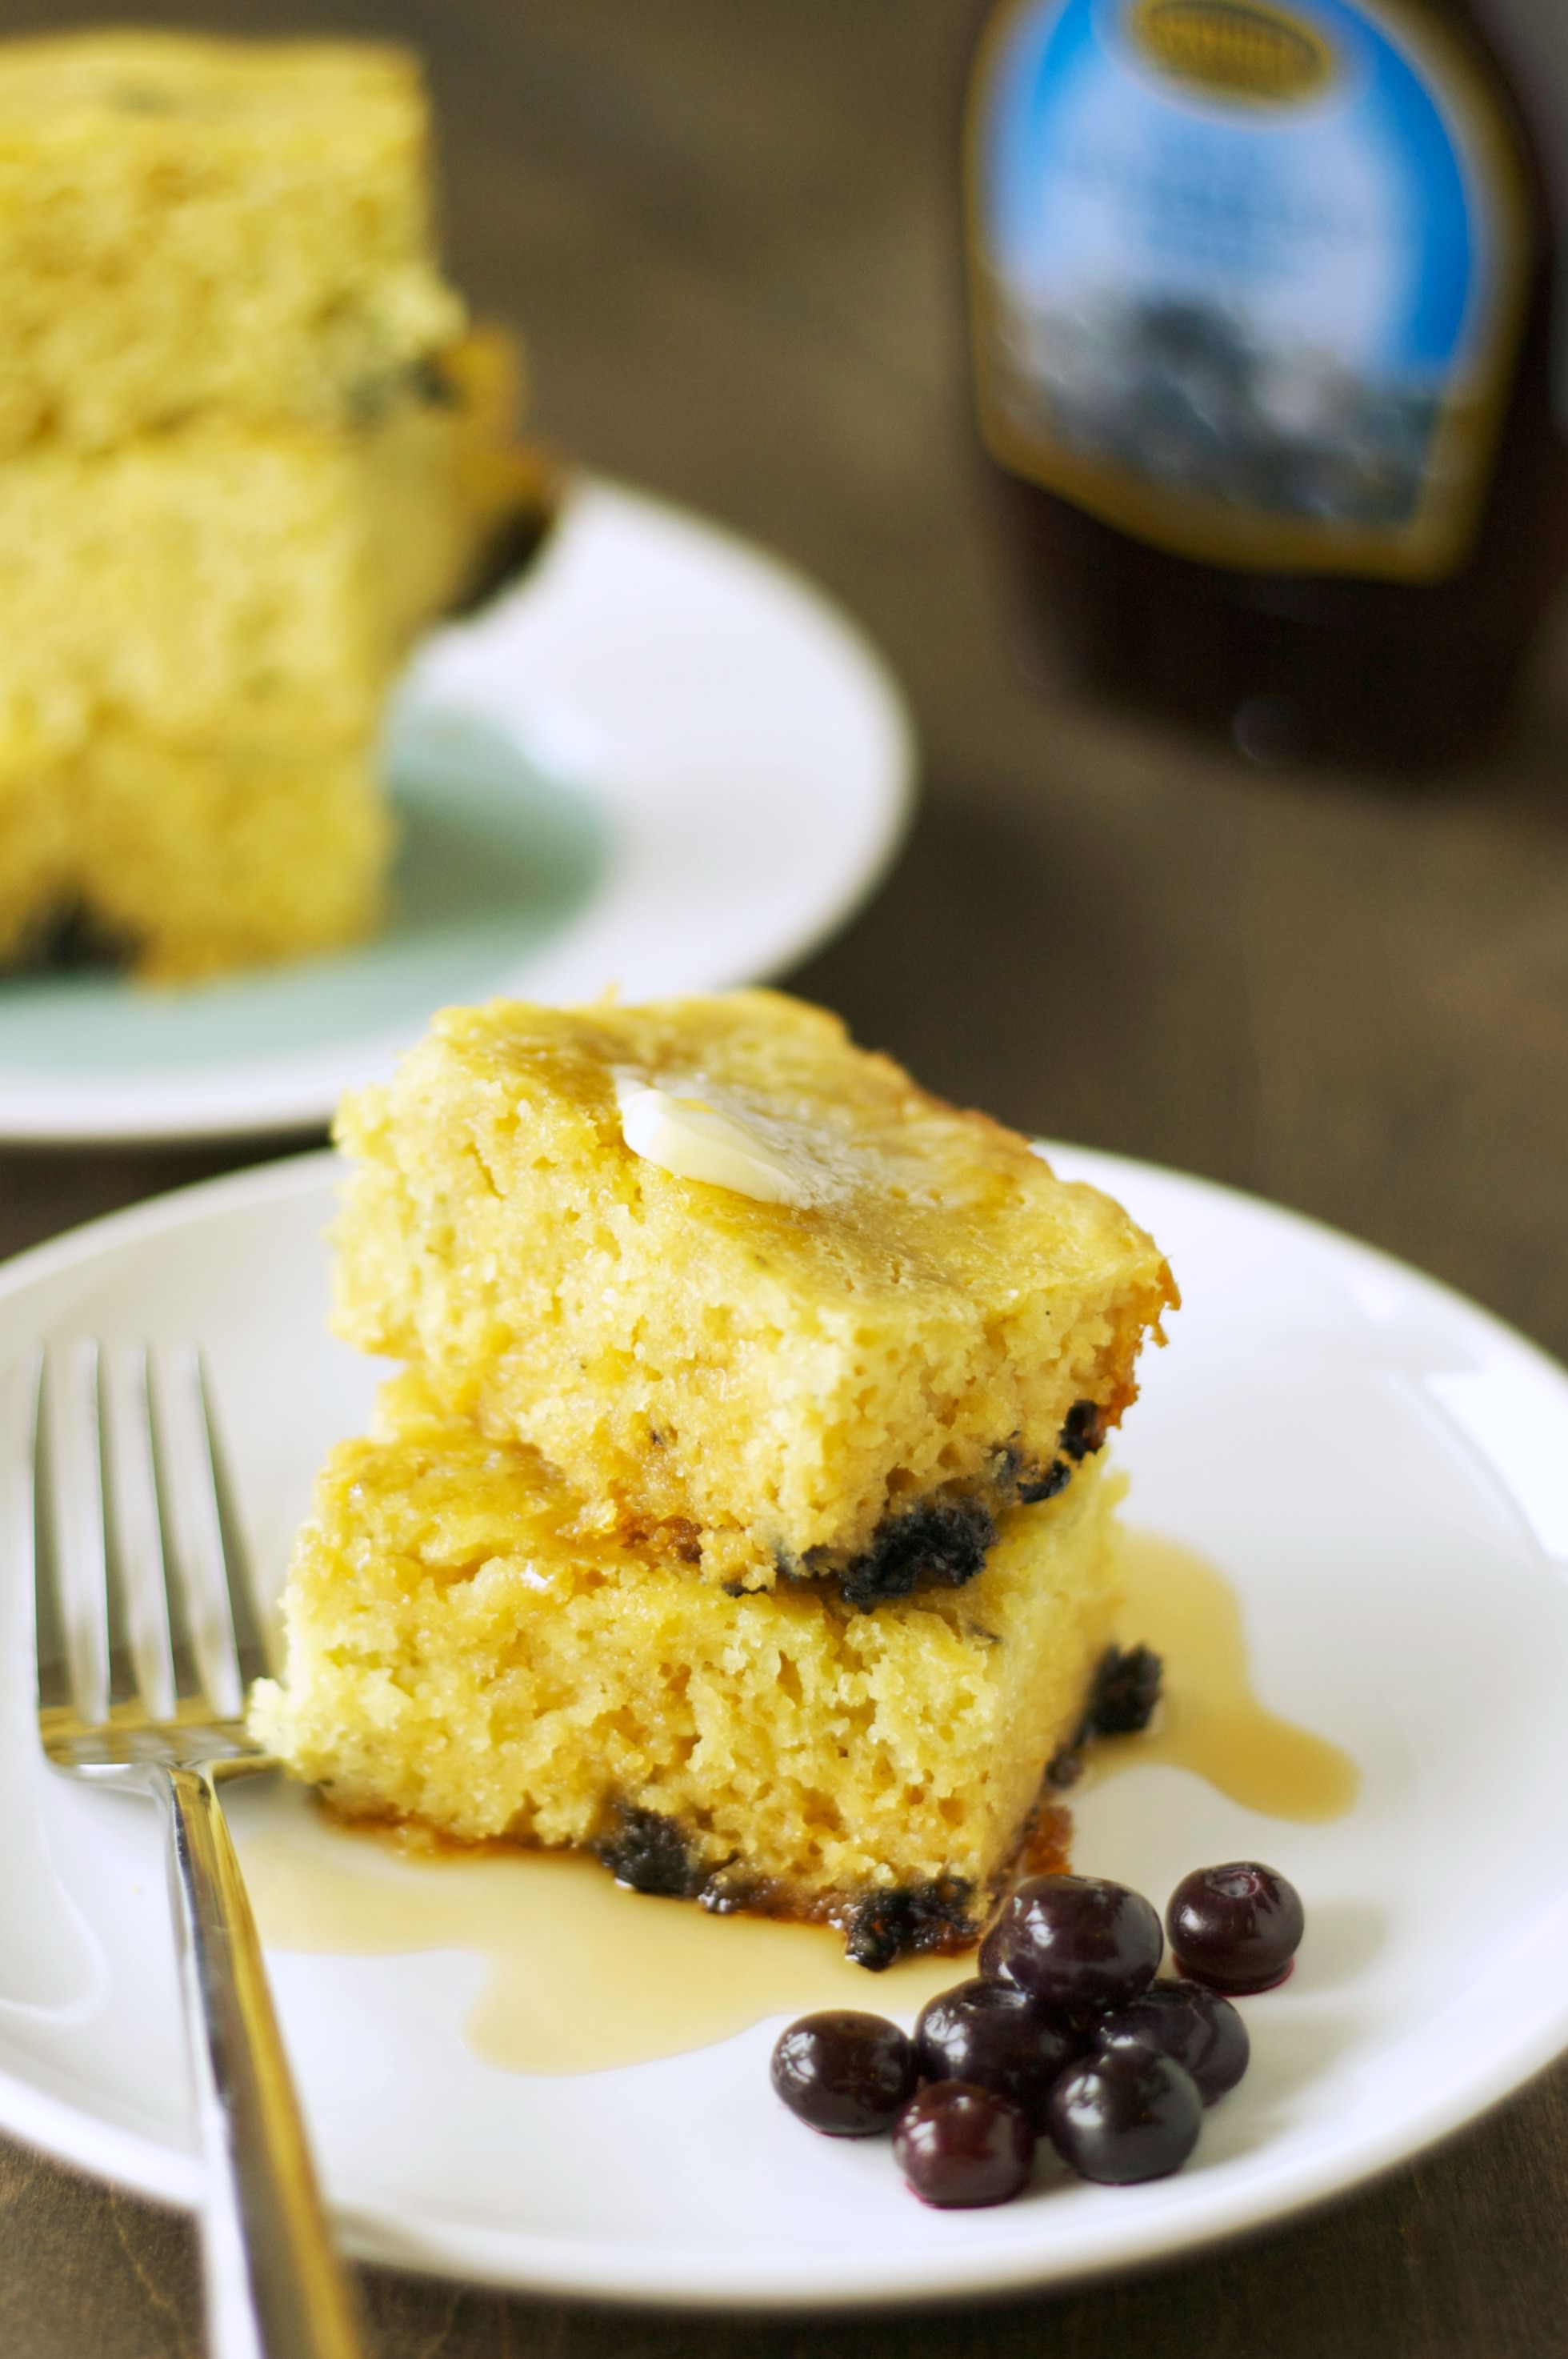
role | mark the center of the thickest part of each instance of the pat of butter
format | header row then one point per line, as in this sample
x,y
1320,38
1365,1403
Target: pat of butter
x,y
691,1140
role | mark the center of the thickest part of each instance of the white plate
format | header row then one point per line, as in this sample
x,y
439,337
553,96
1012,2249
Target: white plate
x,y
665,761
1382,1469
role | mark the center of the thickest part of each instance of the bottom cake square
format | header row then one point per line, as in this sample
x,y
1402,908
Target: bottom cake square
x,y
460,1657
187,861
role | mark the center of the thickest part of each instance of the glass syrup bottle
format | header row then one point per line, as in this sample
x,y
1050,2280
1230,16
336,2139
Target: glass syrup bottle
x,y
1261,300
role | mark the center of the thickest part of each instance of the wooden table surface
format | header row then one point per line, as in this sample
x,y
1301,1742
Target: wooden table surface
x,y
726,226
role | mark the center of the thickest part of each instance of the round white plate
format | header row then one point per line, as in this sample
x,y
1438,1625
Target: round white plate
x,y
665,761
1381,1468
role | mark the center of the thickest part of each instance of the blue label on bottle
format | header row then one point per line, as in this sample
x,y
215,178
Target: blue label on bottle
x,y
1247,275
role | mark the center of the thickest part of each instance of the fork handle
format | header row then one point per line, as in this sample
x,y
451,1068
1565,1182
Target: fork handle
x,y
274,2288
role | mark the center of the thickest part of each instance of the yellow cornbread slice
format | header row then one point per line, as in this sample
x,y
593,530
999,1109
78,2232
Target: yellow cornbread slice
x,y
848,1382
33,839
224,580
197,637
191,862
192,224
447,493
461,1653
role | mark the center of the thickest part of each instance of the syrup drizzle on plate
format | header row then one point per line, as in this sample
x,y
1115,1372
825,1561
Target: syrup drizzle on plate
x,y
1210,1720
582,1975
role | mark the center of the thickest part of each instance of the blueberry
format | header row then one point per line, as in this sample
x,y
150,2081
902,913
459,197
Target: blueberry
x,y
1084,1432
910,1920
941,1544
1197,2029
650,1853
1074,1943
1033,1488
961,2146
1237,1927
991,2036
1127,2116
1126,1691
846,2074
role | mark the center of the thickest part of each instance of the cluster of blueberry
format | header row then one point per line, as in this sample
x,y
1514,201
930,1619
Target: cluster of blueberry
x,y
1064,2034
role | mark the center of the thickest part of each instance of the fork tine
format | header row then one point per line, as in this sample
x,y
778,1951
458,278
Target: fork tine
x,y
22,1430
249,1639
197,1530
73,1525
136,1527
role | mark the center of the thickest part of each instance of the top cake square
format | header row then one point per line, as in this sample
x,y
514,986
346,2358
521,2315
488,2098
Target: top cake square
x,y
226,585
810,1322
188,224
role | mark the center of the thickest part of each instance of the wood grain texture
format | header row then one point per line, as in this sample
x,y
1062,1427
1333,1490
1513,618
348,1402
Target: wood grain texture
x,y
726,229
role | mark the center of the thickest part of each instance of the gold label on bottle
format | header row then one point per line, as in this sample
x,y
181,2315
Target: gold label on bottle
x,y
1233,49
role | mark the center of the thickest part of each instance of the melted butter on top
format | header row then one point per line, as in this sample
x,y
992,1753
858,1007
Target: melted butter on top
x,y
692,1138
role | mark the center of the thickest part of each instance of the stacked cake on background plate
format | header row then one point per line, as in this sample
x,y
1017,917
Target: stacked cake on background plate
x,y
247,449
740,1515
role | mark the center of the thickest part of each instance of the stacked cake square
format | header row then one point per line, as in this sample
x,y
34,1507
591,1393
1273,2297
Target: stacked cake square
x,y
247,449
739,1514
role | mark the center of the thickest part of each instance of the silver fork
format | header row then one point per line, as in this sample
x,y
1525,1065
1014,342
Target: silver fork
x,y
145,1637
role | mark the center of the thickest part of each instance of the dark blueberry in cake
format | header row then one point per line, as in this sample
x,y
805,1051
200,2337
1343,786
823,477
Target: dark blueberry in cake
x,y
1195,2028
76,938
649,1853
1130,2114
846,2074
1077,1943
1125,1693
889,1925
990,2035
959,2146
1084,1432
429,381
1033,1488
941,1544
1237,1927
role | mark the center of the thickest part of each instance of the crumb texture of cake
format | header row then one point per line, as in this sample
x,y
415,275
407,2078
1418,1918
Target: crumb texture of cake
x,y
929,1327
249,451
184,861
197,634
226,581
462,1654
188,225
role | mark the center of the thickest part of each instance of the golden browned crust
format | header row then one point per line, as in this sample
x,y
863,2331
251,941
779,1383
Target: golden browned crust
x,y
790,1383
